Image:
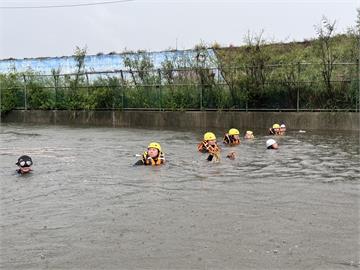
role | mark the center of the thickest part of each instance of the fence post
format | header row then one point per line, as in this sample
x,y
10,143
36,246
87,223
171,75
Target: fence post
x,y
297,99
25,92
201,96
123,89
56,90
87,85
200,58
159,85
358,82
0,99
247,91
113,95
298,88
246,101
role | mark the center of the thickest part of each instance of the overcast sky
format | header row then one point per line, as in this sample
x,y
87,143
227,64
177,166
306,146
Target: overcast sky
x,y
158,25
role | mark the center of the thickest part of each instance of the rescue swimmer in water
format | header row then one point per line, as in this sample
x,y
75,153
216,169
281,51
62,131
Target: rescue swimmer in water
x,y
271,144
274,130
24,163
249,135
231,155
153,156
232,138
282,129
209,145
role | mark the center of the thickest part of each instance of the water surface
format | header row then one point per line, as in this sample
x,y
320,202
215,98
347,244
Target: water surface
x,y
86,207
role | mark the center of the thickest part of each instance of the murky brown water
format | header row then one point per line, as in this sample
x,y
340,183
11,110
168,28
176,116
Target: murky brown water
x,y
86,207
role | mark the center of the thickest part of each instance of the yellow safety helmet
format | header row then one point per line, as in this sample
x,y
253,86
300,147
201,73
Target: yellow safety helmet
x,y
209,136
155,145
276,126
234,131
249,132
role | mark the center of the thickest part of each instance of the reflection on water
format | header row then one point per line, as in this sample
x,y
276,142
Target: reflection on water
x,y
86,207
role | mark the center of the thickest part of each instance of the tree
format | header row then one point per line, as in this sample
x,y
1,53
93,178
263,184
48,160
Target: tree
x,y
256,58
79,56
140,66
325,49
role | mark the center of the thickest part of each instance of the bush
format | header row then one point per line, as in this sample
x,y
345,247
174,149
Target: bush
x,y
11,91
255,76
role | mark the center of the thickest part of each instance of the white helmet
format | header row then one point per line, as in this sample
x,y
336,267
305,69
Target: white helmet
x,y
270,142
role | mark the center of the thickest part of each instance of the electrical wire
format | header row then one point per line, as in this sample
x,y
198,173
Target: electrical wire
x,y
66,6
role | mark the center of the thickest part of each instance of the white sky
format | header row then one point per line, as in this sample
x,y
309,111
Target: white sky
x,y
159,25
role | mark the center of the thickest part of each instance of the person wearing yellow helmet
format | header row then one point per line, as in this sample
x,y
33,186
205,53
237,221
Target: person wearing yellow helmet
x,y
249,134
153,156
232,137
209,145
274,130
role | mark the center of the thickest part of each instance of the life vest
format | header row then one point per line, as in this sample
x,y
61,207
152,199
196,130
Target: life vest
x,y
230,140
272,131
147,160
205,147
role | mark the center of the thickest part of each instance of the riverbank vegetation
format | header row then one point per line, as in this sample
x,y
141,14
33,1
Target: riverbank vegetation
x,y
322,73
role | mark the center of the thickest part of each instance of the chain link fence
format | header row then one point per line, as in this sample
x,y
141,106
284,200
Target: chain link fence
x,y
280,87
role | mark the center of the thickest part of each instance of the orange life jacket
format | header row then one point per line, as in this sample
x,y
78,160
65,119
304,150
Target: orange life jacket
x,y
230,140
204,147
147,160
272,131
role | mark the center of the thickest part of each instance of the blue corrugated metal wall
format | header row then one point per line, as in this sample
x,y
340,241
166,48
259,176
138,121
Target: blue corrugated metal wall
x,y
104,62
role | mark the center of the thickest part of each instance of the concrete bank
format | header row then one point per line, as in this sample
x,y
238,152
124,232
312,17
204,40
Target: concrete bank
x,y
347,121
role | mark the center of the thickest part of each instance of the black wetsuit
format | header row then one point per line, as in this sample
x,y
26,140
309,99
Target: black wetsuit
x,y
139,162
210,157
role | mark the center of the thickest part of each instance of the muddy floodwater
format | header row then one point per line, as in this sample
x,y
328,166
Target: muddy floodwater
x,y
86,207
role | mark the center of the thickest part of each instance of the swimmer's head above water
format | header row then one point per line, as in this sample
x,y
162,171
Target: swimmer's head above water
x,y
153,155
249,135
282,129
232,137
271,144
154,149
210,138
24,163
